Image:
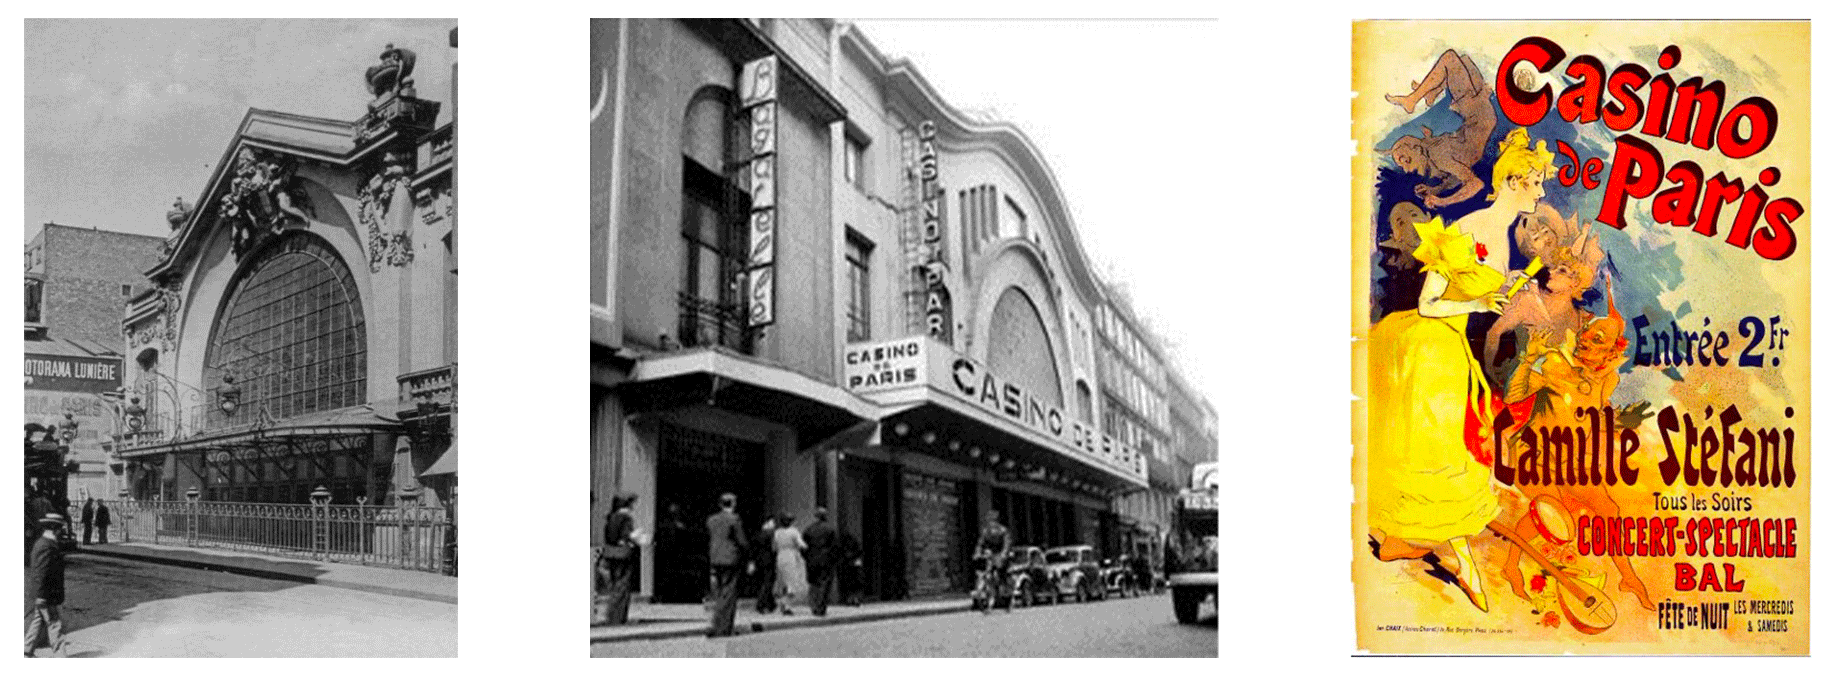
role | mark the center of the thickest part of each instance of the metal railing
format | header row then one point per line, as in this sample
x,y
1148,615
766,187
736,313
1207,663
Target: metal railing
x,y
703,322
413,537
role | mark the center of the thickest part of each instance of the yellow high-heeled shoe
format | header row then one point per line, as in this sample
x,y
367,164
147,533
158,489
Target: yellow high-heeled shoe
x,y
1468,577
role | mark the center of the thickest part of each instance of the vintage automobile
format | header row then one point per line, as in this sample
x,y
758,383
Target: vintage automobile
x,y
1031,580
1192,563
1118,577
1078,571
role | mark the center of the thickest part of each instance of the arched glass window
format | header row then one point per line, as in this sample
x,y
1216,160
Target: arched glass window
x,y
291,334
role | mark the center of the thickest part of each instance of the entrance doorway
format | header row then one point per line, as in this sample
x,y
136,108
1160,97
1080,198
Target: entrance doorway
x,y
867,512
693,469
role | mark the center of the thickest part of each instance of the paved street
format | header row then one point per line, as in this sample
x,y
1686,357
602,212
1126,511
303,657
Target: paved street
x,y
1142,627
120,608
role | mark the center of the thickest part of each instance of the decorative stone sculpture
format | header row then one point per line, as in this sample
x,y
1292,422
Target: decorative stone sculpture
x,y
391,74
263,199
179,213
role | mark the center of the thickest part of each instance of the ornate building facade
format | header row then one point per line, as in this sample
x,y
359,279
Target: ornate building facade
x,y
299,329
818,283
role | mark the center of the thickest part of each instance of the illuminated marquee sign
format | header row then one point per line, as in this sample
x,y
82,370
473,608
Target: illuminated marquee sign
x,y
758,95
919,362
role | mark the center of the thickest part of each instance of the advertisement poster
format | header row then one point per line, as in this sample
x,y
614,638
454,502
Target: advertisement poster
x,y
1581,311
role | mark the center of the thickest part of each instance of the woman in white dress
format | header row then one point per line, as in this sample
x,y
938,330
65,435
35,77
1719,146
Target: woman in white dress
x,y
792,583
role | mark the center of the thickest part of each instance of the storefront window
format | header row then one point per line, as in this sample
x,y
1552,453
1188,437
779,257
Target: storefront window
x,y
292,334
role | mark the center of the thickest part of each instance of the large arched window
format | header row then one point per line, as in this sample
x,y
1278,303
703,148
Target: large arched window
x,y
291,333
1020,350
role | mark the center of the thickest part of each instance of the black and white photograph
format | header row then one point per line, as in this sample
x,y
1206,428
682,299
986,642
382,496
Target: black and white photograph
x,y
894,348
241,338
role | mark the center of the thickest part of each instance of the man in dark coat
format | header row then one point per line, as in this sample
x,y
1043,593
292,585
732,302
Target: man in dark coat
x,y
102,520
726,546
850,581
821,560
89,517
44,589
764,565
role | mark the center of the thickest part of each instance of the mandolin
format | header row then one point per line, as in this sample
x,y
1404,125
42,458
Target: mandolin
x,y
1586,607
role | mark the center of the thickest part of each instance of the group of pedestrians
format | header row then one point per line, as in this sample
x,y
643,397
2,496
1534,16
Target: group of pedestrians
x,y
789,565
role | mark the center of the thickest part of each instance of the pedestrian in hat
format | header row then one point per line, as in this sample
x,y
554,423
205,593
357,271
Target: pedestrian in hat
x,y
102,520
89,518
44,589
621,556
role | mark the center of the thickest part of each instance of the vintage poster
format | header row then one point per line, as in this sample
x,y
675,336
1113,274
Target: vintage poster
x,y
1581,304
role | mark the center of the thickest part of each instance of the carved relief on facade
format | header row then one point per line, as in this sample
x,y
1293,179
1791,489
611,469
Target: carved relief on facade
x,y
264,198
386,243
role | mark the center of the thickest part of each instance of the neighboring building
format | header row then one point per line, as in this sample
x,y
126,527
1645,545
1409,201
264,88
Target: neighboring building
x,y
815,282
300,329
77,282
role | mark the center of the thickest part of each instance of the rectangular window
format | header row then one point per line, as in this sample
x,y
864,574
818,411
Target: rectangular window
x,y
859,288
34,301
853,159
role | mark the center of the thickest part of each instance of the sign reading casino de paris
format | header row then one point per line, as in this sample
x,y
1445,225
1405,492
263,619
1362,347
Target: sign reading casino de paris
x,y
894,369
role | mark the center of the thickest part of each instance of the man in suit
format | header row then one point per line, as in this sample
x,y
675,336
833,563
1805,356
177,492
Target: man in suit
x,y
89,517
44,589
821,540
764,566
726,546
102,520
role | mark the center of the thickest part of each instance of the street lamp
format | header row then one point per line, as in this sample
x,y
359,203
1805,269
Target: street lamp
x,y
66,430
229,396
134,414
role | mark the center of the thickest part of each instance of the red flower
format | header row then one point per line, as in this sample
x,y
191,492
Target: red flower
x,y
1482,252
1550,619
1538,583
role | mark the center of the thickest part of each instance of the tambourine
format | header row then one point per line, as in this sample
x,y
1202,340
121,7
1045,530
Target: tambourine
x,y
1552,520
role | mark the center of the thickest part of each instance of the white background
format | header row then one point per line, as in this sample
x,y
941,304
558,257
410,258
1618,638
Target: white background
x,y
1279,94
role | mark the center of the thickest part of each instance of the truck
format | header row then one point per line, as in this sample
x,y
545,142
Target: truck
x,y
1191,553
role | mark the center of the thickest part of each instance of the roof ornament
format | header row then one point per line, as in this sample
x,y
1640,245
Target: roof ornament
x,y
390,76
179,213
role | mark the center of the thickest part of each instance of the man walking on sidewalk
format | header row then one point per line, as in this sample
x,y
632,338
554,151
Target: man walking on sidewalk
x,y
726,545
821,555
44,589
764,568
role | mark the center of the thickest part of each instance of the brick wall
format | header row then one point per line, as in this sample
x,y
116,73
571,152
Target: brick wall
x,y
84,272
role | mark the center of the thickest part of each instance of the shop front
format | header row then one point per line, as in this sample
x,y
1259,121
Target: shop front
x,y
956,441
692,425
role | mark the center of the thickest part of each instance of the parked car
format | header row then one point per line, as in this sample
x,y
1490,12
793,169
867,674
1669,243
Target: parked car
x,y
1118,577
1078,570
1031,580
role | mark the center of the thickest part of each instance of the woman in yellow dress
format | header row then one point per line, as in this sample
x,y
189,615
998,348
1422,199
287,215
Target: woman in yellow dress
x,y
1426,488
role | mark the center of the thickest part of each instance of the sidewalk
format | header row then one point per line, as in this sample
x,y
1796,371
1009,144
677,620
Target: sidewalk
x,y
651,621
388,581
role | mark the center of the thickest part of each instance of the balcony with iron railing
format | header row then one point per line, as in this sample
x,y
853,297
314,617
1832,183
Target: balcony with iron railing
x,y
428,389
703,322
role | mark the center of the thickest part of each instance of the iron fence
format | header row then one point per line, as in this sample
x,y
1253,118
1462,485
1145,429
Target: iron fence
x,y
412,537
